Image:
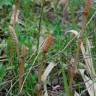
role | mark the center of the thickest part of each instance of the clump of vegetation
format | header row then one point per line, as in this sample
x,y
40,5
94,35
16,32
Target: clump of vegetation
x,y
47,48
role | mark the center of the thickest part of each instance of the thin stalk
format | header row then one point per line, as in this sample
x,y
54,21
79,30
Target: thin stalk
x,y
46,44
39,27
15,40
65,81
85,16
71,70
11,52
71,67
41,67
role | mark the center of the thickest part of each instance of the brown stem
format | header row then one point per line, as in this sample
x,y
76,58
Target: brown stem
x,y
46,44
41,69
15,40
11,52
20,72
71,68
39,27
85,16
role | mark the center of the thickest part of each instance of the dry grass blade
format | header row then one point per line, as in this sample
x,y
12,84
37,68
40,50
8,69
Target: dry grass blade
x,y
3,60
73,32
46,74
88,61
47,71
88,52
76,94
45,90
90,84
4,56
